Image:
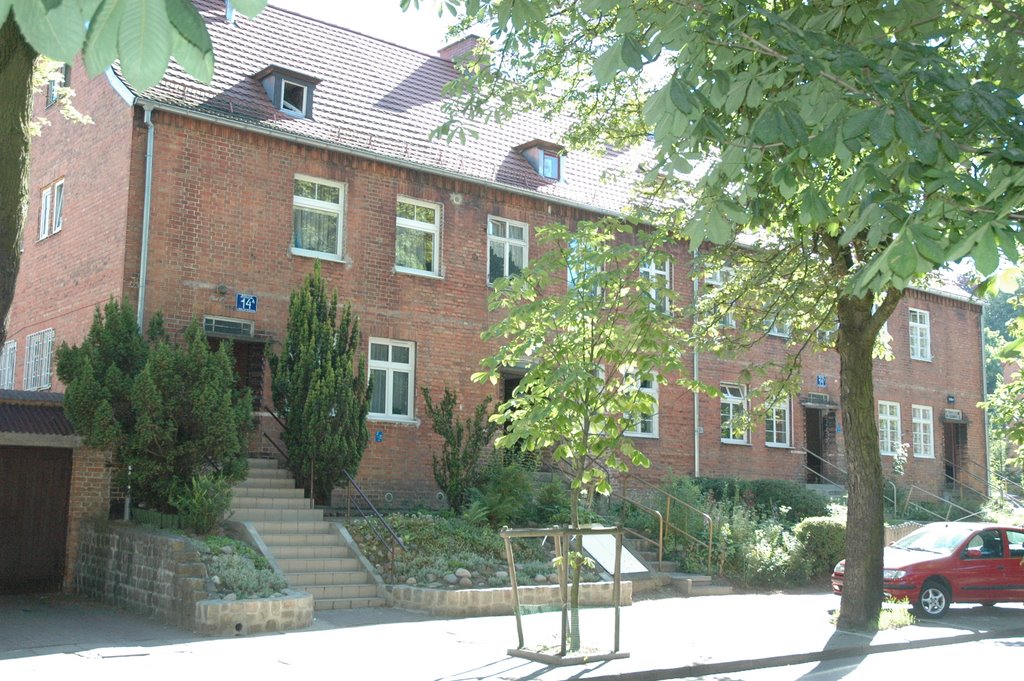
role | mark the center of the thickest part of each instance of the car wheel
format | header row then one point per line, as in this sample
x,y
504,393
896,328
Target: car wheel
x,y
933,601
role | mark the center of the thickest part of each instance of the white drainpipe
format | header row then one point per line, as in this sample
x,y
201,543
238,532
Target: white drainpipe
x,y
696,402
146,204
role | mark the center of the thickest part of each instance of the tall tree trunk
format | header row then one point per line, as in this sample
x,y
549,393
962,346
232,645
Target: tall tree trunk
x,y
17,59
862,585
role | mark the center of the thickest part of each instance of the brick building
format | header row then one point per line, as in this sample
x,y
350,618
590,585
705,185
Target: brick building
x,y
213,201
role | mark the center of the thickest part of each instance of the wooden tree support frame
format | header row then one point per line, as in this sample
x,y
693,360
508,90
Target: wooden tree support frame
x,y
562,536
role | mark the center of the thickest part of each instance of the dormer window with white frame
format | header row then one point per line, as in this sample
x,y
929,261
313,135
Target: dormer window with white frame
x,y
290,91
547,158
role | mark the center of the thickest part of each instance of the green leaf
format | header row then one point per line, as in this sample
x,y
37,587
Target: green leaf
x,y
101,42
53,29
191,44
608,64
907,127
985,252
928,149
631,55
144,42
882,129
681,96
249,8
859,123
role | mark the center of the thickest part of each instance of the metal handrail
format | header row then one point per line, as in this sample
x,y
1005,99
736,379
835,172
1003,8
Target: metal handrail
x,y
950,504
669,498
660,541
822,459
995,474
375,520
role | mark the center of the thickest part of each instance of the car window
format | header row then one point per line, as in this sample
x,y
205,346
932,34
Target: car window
x,y
935,539
985,544
1015,540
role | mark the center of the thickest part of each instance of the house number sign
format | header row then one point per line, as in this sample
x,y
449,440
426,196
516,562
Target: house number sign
x,y
246,303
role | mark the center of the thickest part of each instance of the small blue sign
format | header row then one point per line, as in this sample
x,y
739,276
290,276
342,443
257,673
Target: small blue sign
x,y
821,381
378,436
246,303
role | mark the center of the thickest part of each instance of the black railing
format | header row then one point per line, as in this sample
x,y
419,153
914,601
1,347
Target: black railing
x,y
378,525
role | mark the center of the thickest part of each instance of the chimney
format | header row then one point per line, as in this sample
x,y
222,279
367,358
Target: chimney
x,y
459,48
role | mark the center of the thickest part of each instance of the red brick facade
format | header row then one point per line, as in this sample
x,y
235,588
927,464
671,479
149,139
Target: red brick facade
x,y
221,225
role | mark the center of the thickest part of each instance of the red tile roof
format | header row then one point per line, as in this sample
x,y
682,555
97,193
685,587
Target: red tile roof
x,y
36,413
375,98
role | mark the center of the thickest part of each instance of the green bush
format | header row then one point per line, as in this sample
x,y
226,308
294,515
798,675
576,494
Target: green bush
x,y
239,569
767,497
821,541
505,494
202,502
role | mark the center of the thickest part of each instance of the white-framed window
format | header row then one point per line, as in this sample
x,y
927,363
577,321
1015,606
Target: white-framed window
x,y
507,248
417,236
8,357
646,425
777,424
924,438
920,335
780,328
734,411
51,209
550,165
61,78
658,273
889,427
38,358
318,218
580,270
392,373
293,97
718,278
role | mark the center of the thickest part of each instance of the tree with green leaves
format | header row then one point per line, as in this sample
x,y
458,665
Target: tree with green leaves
x,y
878,138
320,388
170,413
595,336
457,470
142,35
1006,404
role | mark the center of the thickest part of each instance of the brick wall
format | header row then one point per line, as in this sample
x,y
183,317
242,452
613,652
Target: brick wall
x,y
89,500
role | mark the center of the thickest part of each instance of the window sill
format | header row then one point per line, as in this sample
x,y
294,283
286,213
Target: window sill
x,y
921,359
645,436
319,255
398,421
736,442
778,446
417,273
926,457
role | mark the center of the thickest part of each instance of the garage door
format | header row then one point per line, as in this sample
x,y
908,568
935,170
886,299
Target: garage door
x,y
34,490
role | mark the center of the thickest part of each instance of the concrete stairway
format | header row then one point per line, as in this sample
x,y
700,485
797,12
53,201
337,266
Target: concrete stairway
x,y
665,574
312,554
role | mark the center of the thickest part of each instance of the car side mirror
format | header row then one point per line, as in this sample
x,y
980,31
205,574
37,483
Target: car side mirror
x,y
972,553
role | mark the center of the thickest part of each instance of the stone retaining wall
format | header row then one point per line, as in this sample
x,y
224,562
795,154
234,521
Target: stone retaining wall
x,y
162,576
479,602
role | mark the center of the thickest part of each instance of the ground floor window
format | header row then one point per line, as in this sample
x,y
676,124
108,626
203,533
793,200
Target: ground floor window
x,y
392,364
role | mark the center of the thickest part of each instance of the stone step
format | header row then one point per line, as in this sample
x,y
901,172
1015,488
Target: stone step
x,y
711,590
347,603
299,526
667,566
262,483
262,462
254,493
330,565
368,590
301,580
270,503
268,474
280,514
698,585
276,539
313,551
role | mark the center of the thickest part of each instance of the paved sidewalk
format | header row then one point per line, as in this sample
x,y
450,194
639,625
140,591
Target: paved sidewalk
x,y
666,638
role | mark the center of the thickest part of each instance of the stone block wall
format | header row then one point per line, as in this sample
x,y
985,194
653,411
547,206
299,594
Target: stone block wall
x,y
142,571
483,602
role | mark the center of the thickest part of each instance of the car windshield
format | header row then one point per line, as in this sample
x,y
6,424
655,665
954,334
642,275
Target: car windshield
x,y
938,539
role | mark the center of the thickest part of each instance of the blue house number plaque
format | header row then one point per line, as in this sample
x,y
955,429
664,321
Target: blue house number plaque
x,y
821,380
246,303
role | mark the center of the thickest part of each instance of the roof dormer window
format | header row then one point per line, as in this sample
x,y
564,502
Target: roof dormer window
x,y
293,97
547,158
290,92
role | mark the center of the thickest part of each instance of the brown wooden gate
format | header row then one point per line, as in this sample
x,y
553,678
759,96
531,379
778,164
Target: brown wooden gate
x,y
35,485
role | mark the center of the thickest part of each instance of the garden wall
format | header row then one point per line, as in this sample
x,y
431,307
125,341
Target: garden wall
x,y
162,575
479,602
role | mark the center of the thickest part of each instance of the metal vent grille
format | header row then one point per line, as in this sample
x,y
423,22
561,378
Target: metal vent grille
x,y
231,328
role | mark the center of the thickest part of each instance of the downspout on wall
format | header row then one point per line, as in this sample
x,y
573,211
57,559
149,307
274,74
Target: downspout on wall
x,y
984,396
146,208
696,403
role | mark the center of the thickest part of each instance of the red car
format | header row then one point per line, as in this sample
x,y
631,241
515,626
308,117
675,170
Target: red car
x,y
944,563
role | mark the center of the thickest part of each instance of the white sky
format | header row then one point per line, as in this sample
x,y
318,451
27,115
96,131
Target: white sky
x,y
420,29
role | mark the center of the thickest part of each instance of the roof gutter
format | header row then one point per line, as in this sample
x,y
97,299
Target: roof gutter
x,y
147,201
368,155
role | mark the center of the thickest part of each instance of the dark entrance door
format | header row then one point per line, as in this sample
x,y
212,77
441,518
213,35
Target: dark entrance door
x,y
34,487
814,436
248,365
955,442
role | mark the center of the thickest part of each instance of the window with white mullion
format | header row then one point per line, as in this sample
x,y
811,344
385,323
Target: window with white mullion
x,y
733,412
58,206
716,279
645,425
777,424
318,218
8,357
889,440
391,374
44,213
920,335
38,355
657,273
417,236
924,438
506,248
